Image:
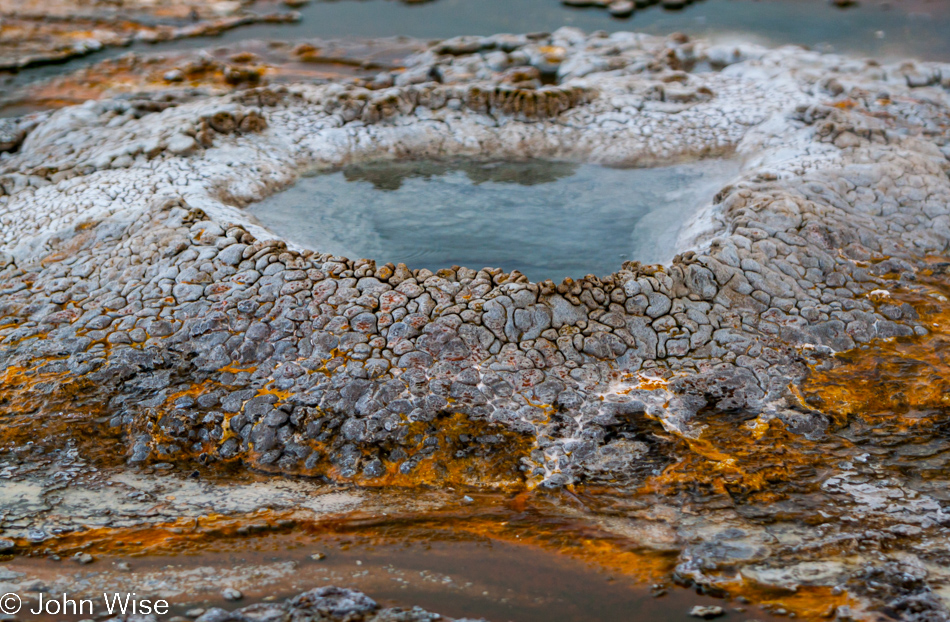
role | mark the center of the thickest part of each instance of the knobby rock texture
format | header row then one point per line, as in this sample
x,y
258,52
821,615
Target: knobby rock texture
x,y
127,264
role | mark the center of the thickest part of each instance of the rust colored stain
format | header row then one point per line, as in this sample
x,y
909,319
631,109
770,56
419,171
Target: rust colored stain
x,y
52,409
890,379
895,392
215,71
755,461
455,461
489,517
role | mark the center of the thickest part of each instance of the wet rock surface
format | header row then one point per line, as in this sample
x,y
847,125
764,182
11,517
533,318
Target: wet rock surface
x,y
626,8
326,603
142,311
41,32
183,76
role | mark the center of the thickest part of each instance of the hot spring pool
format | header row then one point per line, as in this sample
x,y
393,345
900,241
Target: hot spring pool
x,y
549,220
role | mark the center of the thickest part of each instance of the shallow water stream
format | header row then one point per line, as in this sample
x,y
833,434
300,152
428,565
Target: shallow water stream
x,y
461,564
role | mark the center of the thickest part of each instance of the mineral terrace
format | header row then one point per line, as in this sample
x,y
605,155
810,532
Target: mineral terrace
x,y
133,287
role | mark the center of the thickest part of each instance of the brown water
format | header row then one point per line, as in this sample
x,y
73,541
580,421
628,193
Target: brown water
x,y
453,573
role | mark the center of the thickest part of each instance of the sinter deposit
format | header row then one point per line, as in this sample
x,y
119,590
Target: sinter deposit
x,y
132,284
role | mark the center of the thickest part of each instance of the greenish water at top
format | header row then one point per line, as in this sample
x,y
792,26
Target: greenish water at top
x,y
881,29
909,28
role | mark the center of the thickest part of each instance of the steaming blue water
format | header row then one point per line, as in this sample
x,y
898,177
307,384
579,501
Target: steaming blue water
x,y
546,219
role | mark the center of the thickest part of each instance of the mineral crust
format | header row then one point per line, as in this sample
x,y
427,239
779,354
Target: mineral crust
x,y
129,267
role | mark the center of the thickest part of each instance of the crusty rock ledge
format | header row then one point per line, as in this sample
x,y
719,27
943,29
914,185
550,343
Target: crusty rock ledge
x,y
40,32
126,262
324,604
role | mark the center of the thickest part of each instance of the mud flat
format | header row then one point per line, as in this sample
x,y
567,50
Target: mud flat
x,y
693,408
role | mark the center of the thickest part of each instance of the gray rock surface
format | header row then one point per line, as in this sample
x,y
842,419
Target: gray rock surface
x,y
127,264
147,281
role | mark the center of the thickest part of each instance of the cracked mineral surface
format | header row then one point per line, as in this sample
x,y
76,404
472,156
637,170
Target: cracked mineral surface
x,y
710,418
186,75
